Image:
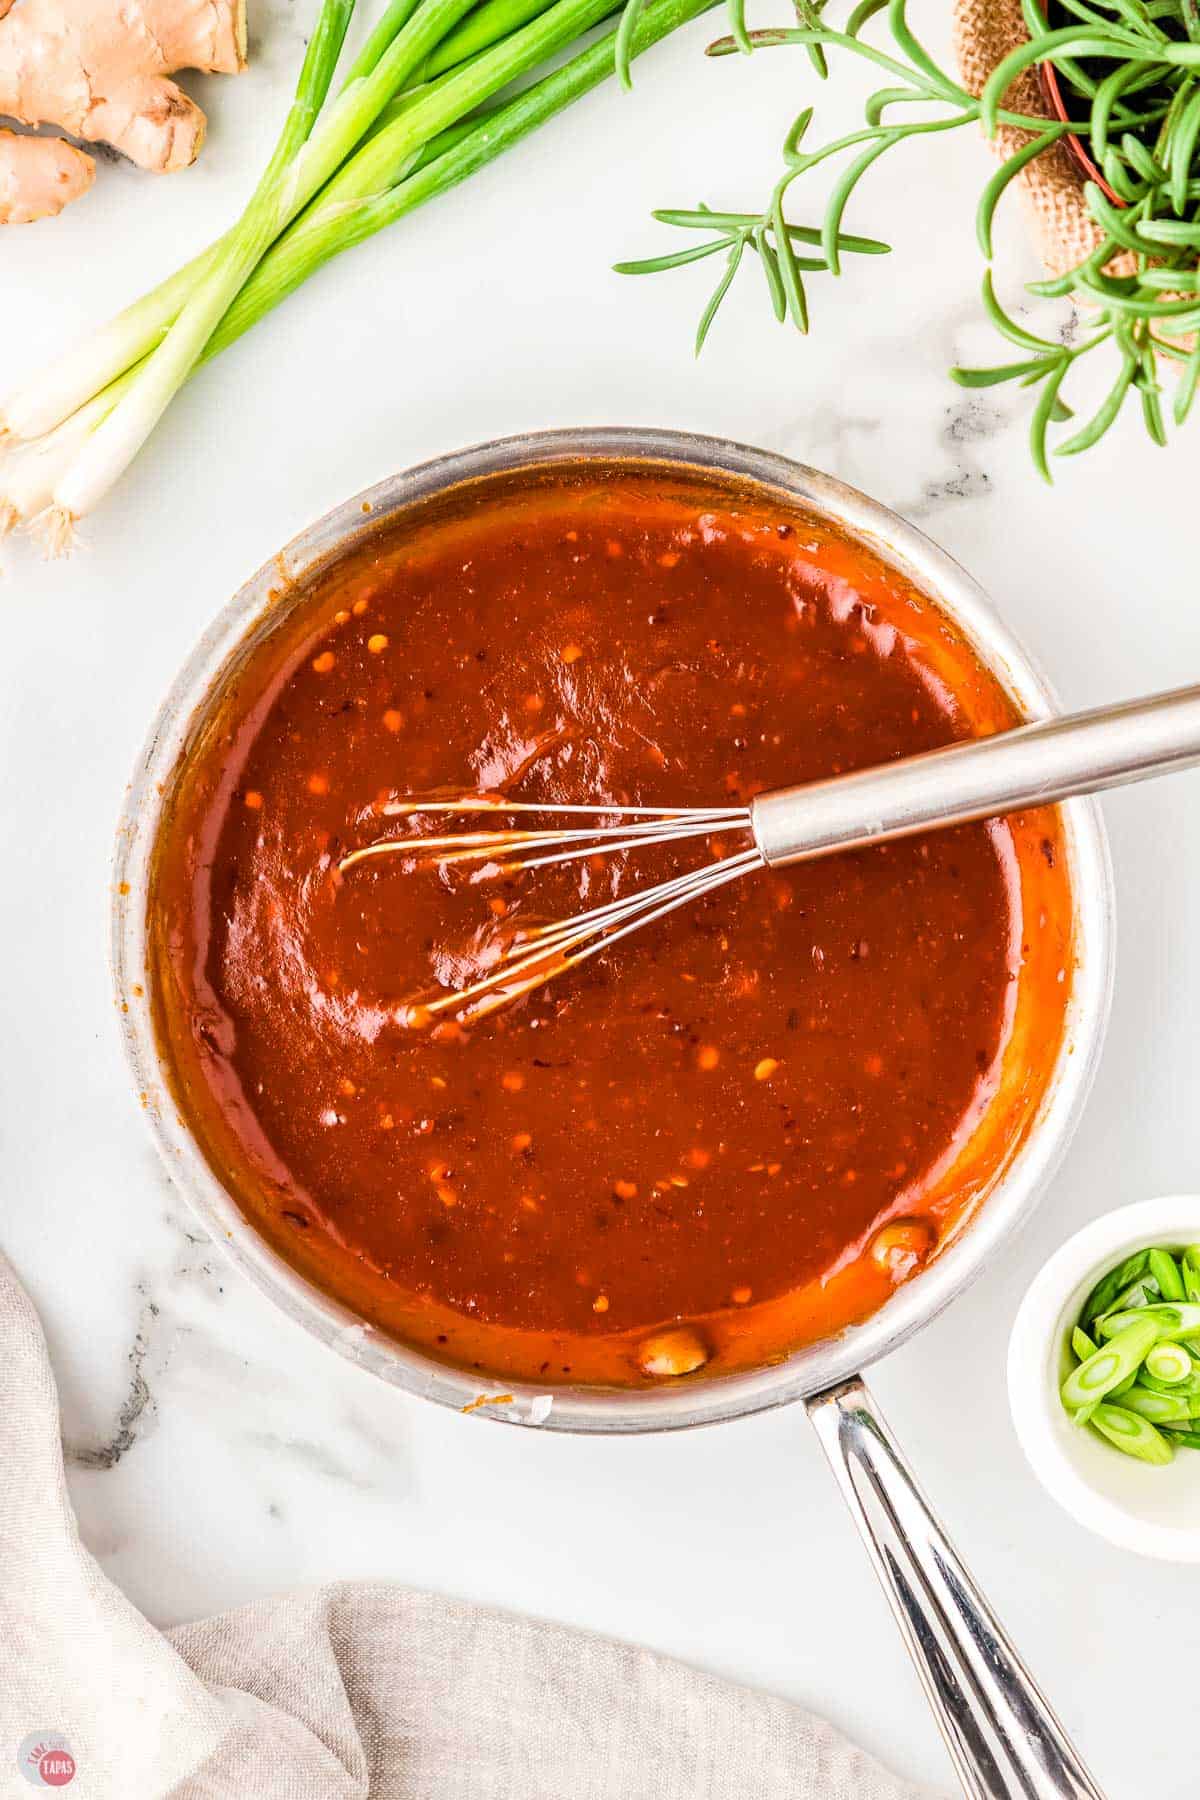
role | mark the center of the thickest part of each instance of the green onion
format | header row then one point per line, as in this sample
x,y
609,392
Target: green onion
x,y
1169,1321
1190,1260
1190,1384
1126,1347
416,114
1083,1347
1165,1271
1103,1295
1141,1292
1170,1363
1099,1373
116,441
1134,1435
450,158
1160,1409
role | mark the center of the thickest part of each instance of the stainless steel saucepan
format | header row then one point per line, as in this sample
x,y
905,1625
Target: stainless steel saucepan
x,y
1003,1737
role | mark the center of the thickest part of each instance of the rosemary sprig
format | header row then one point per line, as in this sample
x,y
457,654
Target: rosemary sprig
x,y
1131,72
771,238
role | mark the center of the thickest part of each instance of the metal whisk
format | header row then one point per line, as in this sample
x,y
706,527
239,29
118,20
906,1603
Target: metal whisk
x,y
1033,765
537,953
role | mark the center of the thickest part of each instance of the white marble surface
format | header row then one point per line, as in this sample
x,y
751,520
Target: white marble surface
x,y
217,1454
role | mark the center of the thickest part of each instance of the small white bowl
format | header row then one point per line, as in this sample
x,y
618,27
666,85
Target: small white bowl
x,y
1155,1511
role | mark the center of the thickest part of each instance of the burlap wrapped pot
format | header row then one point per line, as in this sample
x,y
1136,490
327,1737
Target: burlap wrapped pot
x,y
1052,185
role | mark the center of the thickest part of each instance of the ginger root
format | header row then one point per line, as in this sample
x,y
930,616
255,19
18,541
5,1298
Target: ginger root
x,y
100,70
39,176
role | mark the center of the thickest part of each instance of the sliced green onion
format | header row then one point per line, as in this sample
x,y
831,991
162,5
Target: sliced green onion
x,y
1190,1385
1190,1260
1169,1362
1165,1271
1083,1347
1100,1373
1160,1409
1134,1435
1169,1321
1104,1294
1142,1292
1127,1341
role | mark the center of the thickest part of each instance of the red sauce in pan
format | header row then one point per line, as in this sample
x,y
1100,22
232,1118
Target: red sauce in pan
x,y
733,1132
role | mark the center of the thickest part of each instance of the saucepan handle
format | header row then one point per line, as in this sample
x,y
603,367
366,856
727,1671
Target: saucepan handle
x,y
1003,1737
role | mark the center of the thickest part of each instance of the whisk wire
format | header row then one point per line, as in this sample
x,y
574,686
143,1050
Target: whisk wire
x,y
538,953
508,849
679,889
483,803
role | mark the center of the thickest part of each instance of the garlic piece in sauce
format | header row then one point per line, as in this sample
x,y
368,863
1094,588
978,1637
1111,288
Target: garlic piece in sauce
x,y
678,1352
901,1246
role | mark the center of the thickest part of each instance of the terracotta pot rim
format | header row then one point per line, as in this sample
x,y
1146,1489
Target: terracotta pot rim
x,y
1053,95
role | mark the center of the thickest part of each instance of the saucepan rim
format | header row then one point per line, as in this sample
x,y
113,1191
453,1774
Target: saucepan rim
x,y
697,1399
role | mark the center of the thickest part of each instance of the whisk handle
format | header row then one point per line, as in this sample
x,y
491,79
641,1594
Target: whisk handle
x,y
1033,765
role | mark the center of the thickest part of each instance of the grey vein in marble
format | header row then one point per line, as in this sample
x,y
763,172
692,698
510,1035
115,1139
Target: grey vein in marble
x,y
135,1414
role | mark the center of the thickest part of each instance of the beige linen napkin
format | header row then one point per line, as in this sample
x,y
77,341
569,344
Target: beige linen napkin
x,y
352,1691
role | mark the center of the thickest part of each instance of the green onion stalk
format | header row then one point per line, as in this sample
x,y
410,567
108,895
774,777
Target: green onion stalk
x,y
1130,73
288,184
418,113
